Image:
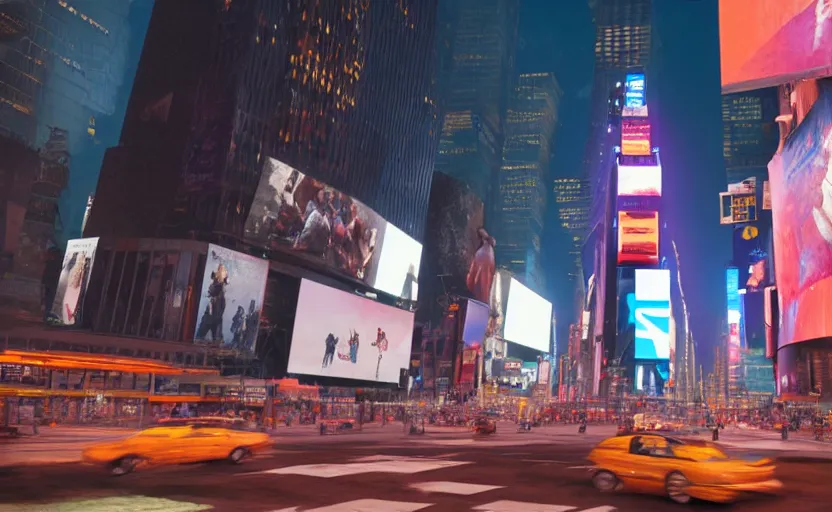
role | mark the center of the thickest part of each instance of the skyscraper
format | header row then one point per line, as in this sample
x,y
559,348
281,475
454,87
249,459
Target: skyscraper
x,y
475,51
339,90
572,202
527,151
749,133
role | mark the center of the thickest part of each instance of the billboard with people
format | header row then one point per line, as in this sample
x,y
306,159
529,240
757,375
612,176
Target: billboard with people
x,y
68,306
801,198
340,334
233,285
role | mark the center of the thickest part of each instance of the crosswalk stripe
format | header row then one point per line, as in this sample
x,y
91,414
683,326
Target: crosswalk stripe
x,y
370,505
602,508
515,506
399,466
460,488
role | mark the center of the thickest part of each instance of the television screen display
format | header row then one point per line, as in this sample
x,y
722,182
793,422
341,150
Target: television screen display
x,y
233,286
476,322
638,238
67,308
770,42
635,137
639,180
340,334
528,319
801,197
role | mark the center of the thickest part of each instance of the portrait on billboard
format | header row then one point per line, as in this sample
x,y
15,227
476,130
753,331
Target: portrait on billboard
x,y
751,258
233,286
638,238
292,211
769,42
639,181
68,306
801,197
339,334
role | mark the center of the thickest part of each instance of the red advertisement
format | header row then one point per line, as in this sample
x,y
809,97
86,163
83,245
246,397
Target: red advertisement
x,y
769,42
801,198
638,238
635,137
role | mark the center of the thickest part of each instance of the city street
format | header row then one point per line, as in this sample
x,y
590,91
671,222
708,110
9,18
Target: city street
x,y
380,471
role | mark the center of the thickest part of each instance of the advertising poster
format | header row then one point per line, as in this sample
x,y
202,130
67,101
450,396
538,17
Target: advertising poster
x,y
339,334
528,319
292,211
639,180
649,310
231,303
635,137
801,198
476,323
634,91
67,309
751,258
638,238
769,42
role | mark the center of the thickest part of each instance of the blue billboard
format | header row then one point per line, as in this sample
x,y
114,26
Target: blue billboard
x,y
732,282
651,319
634,91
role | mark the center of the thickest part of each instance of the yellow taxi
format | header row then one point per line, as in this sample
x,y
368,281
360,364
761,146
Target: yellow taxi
x,y
679,469
177,443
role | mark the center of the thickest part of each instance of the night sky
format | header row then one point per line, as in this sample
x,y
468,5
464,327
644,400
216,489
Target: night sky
x,y
685,101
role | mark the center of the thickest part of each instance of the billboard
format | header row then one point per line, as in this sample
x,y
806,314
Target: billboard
x,y
737,208
476,322
635,137
650,314
233,285
292,211
801,198
528,319
68,306
458,248
770,42
638,238
332,326
634,91
732,277
751,258
639,180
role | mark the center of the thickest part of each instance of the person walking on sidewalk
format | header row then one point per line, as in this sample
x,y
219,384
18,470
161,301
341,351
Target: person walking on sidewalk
x,y
37,416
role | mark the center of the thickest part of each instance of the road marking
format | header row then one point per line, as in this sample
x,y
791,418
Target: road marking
x,y
602,508
377,458
132,503
373,506
580,467
407,466
460,488
515,506
546,461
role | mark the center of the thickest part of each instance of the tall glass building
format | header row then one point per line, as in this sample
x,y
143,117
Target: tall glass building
x,y
340,90
749,133
527,152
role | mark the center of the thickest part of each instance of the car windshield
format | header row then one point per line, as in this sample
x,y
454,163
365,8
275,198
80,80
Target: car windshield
x,y
700,452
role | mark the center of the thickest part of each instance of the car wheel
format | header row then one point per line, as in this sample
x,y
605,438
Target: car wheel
x,y
676,485
605,481
237,455
124,465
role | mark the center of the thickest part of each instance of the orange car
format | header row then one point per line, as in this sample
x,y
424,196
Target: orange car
x,y
180,444
681,470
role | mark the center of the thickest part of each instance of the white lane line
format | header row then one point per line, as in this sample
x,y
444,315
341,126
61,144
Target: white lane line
x,y
517,506
385,466
602,508
549,461
460,488
373,506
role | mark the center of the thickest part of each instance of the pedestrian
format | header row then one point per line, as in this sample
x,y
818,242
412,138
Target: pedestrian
x,y
37,416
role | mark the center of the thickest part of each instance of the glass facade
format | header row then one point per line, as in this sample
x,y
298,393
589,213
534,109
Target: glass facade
x,y
527,151
572,201
340,90
749,133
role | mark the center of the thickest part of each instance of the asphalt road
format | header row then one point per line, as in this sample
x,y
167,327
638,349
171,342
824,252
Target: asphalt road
x,y
426,473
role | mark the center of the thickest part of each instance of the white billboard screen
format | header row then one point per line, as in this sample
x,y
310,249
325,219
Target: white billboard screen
x,y
528,319
639,180
339,334
398,267
652,284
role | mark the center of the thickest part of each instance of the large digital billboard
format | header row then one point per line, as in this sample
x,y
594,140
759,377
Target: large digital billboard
x,y
68,306
650,313
770,42
332,326
639,180
638,238
229,310
634,91
635,137
292,211
528,319
801,198
732,278
476,323
751,258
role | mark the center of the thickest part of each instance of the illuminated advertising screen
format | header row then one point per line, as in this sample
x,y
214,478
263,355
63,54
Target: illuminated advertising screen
x,y
476,322
638,180
528,319
638,238
650,313
340,334
732,277
635,137
634,91
737,208
801,198
770,42
231,303
68,306
751,258
295,212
